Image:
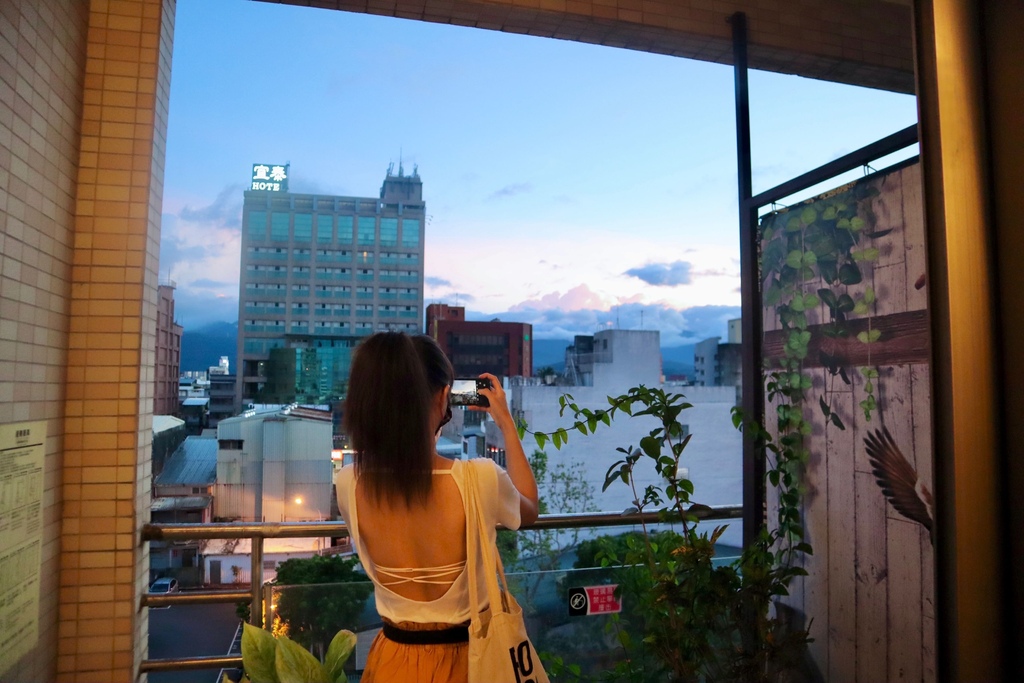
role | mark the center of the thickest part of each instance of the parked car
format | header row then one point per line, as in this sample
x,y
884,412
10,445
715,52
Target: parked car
x,y
163,587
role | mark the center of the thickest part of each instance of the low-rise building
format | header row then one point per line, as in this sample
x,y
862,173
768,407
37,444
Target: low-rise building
x,y
182,494
274,465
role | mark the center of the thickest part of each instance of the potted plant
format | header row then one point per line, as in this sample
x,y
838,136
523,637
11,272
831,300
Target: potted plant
x,y
269,659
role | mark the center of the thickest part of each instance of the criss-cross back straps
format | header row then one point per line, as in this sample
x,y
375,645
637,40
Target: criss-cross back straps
x,y
431,575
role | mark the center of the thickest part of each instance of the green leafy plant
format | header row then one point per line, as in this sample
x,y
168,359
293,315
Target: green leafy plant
x,y
269,659
701,620
817,255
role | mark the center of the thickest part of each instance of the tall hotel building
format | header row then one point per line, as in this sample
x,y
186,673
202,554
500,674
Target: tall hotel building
x,y
318,273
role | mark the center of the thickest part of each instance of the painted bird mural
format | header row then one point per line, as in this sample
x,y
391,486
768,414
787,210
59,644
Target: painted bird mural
x,y
899,481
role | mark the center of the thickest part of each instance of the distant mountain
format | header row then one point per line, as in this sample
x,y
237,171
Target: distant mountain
x,y
550,352
203,346
677,360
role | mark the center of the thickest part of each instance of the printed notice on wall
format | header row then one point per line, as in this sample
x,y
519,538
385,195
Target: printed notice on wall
x,y
21,537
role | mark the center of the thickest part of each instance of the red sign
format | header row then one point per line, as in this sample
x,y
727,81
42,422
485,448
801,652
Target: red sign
x,y
587,600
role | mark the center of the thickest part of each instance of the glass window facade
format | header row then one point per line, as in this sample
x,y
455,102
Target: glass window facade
x,y
258,225
303,227
324,228
367,229
345,229
279,226
410,232
388,231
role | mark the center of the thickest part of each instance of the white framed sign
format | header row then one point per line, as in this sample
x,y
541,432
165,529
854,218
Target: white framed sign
x,y
269,178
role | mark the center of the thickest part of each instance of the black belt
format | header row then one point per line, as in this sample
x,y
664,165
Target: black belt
x,y
444,636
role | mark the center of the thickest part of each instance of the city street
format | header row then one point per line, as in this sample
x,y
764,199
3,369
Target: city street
x,y
190,631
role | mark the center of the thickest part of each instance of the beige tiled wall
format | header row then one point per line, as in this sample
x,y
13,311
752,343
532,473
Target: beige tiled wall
x,y
42,45
109,399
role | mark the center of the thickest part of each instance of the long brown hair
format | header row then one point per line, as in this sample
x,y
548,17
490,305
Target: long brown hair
x,y
388,415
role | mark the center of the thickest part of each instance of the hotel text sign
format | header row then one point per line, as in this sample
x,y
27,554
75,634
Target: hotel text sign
x,y
269,178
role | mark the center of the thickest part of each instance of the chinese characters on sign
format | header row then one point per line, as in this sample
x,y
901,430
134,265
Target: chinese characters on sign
x,y
269,178
587,600
21,537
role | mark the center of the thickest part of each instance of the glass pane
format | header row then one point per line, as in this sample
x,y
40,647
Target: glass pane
x,y
367,229
410,232
303,227
324,228
279,226
345,229
258,224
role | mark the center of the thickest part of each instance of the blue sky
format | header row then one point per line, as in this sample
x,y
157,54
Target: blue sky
x,y
567,185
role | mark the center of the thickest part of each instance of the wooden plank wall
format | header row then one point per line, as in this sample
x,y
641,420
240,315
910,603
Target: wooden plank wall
x,y
870,589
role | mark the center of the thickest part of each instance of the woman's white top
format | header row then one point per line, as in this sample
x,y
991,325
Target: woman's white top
x,y
500,499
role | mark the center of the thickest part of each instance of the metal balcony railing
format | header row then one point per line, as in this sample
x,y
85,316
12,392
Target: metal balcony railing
x,y
258,532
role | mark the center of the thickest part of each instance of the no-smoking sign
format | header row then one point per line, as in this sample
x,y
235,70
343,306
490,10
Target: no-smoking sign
x,y
589,600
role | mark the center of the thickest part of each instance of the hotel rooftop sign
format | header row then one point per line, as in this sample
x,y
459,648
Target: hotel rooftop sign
x,y
269,178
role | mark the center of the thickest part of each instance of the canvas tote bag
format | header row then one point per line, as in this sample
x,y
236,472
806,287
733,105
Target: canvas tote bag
x,y
499,649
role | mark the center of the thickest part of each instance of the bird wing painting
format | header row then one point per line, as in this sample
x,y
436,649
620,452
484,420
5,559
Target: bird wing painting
x,y
899,481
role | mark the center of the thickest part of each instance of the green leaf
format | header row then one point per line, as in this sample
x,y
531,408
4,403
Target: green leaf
x,y
259,652
795,259
581,428
808,216
294,664
843,224
869,387
828,296
651,446
829,214
869,336
849,274
541,438
338,652
856,223
869,254
869,295
861,308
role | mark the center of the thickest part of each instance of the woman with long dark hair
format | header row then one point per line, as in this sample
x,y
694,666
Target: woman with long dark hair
x,y
403,504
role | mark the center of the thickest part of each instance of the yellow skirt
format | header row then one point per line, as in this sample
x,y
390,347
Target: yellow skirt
x,y
391,662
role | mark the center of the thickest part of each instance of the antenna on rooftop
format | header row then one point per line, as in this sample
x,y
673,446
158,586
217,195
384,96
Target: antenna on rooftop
x,y
400,171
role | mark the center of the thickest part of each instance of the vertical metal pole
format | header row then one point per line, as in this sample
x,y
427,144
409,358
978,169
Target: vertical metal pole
x,y
256,606
750,293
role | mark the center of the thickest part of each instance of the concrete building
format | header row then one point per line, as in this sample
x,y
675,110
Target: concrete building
x,y
475,346
223,399
720,365
83,122
168,353
318,273
716,364
608,364
274,465
168,434
183,494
